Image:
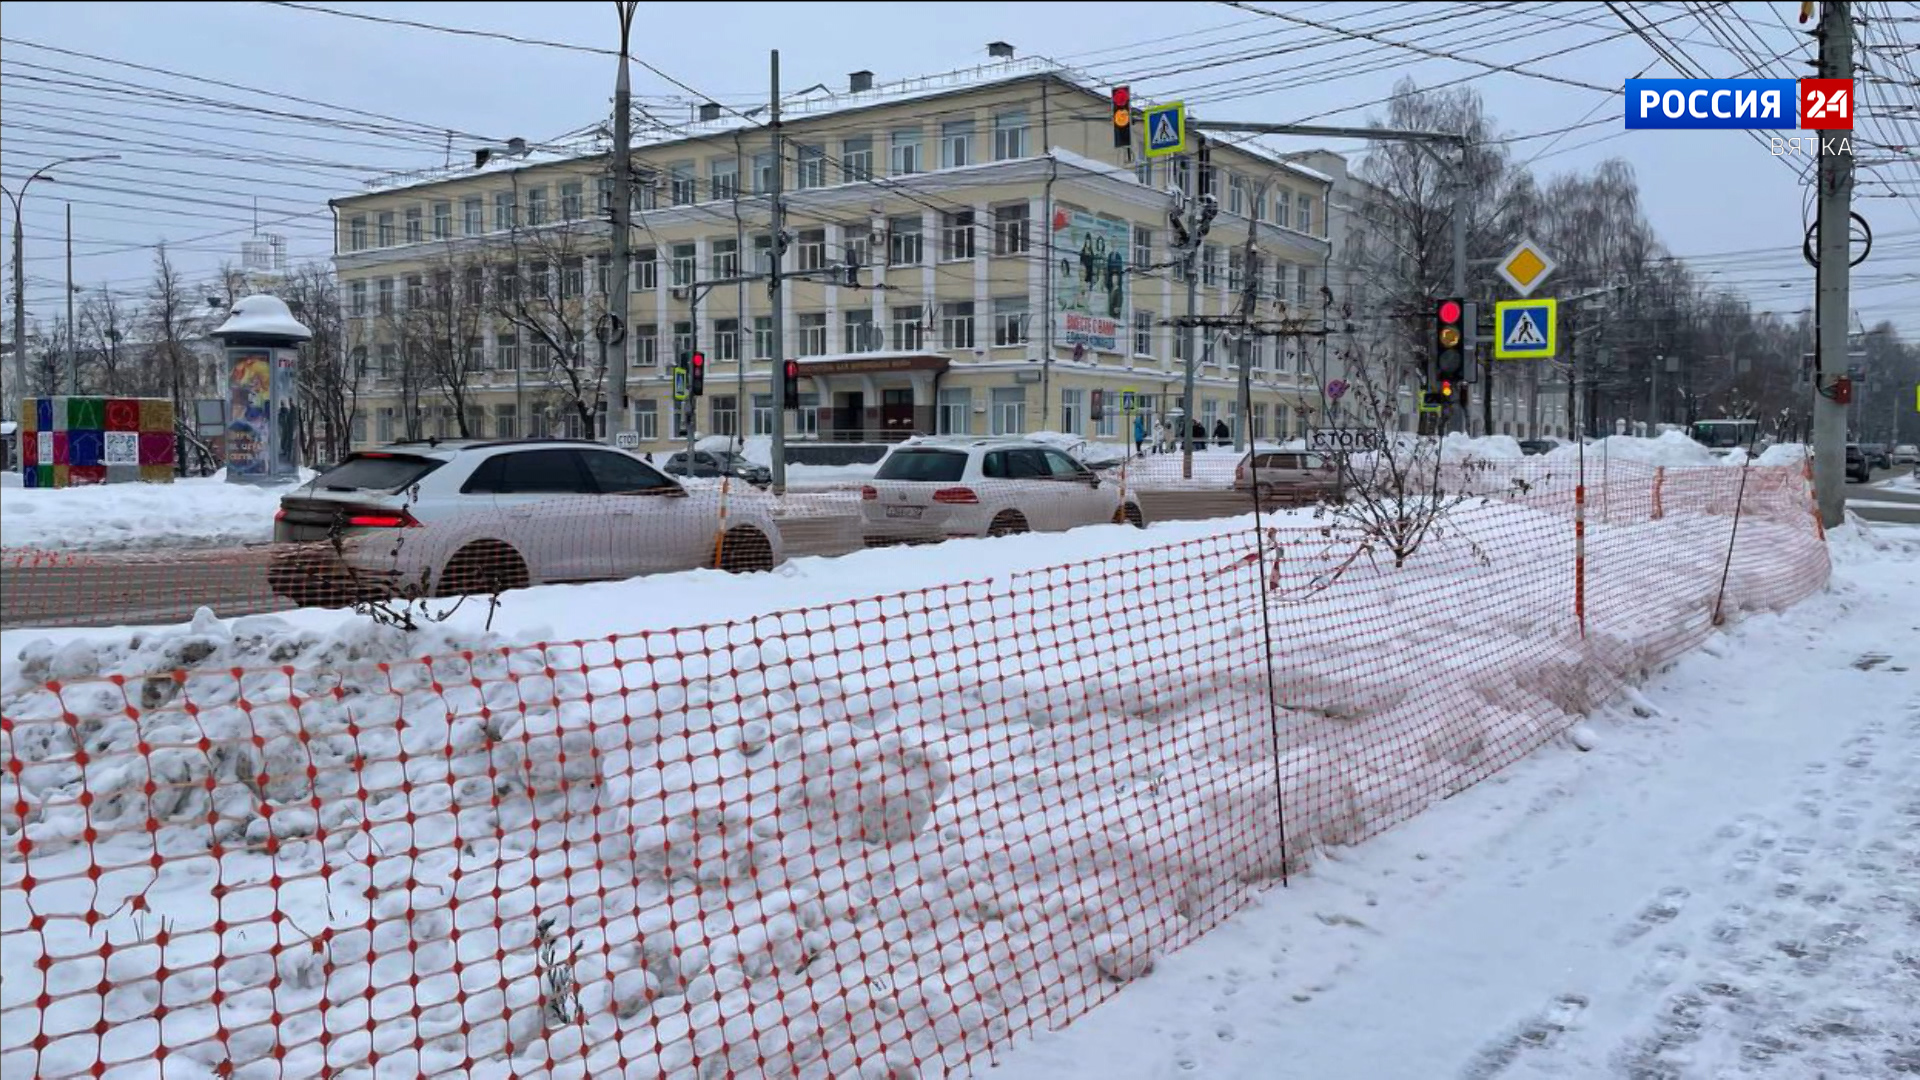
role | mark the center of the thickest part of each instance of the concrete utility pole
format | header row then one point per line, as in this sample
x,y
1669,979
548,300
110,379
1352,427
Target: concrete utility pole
x,y
73,358
616,336
1831,311
1249,298
1195,238
776,375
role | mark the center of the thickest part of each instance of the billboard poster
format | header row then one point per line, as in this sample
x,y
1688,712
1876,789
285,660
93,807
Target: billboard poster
x,y
1090,281
250,414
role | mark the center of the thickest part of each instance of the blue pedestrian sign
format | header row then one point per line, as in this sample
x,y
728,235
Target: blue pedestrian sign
x,y
1166,129
1525,329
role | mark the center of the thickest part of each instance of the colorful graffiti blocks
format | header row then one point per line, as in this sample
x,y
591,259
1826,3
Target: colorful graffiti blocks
x,y
95,440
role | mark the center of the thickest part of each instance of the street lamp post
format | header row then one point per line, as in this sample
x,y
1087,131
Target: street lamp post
x,y
20,265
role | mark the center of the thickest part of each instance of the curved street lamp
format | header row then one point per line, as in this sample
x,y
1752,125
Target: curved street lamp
x,y
20,265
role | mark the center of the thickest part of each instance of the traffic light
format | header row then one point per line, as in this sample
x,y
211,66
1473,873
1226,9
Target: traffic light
x,y
790,383
1122,116
697,374
1449,342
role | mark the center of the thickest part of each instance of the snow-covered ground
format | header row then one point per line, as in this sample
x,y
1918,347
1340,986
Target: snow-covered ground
x,y
190,512
1907,482
868,815
1727,886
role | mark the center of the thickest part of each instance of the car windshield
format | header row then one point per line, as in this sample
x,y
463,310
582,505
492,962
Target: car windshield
x,y
936,466
376,472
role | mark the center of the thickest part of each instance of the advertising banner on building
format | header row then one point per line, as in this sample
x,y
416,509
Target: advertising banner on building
x,y
1090,281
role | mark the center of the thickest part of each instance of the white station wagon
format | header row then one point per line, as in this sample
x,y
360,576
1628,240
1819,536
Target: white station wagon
x,y
929,489
449,518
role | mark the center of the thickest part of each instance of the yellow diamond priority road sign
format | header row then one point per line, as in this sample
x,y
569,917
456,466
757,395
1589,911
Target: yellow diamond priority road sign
x,y
1526,267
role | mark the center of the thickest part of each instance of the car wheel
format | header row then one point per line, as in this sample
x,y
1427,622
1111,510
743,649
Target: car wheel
x,y
1129,514
744,551
483,568
1007,523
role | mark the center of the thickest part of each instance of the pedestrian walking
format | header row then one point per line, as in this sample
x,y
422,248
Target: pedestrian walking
x,y
1139,434
1221,436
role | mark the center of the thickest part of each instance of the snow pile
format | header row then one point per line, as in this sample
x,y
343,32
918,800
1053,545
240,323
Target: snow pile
x,y
190,512
1089,451
1907,482
1672,449
824,842
758,449
1457,447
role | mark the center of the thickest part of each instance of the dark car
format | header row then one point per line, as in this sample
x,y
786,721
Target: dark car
x,y
1533,447
1858,471
1878,455
713,464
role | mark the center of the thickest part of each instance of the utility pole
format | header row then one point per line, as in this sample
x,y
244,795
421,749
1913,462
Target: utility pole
x,y
616,336
73,358
1831,313
1191,240
1249,296
775,373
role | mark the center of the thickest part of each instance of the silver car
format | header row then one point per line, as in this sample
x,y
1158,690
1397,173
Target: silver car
x,y
452,518
927,490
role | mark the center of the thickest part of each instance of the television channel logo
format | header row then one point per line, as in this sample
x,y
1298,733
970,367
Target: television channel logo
x,y
1740,104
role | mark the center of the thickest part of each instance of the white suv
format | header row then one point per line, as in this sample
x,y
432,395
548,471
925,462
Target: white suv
x,y
929,489
454,517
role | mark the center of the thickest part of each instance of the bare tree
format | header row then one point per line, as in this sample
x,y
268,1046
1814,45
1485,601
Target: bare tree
x,y
47,360
329,371
104,329
441,331
550,292
169,357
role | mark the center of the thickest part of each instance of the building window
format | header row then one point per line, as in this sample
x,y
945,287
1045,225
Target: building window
x,y
726,339
956,235
573,277
723,178
1009,320
683,267
813,249
810,167
506,350
386,228
1108,424
726,257
416,291
813,334
1236,271
682,340
1280,214
907,331
573,200
1259,420
1260,205
473,284
763,172
603,274
359,357
1180,338
1010,135
1183,175
763,337
646,420
1011,235
904,153
1142,248
1071,404
384,290
504,216
357,233
442,220
644,191
536,207
1009,410
680,183
1209,416
1300,287
646,345
859,332
806,418
956,144
956,325
762,254
903,240
855,245
725,412
1237,195
538,274
1210,264
503,421
603,196
1304,220
1143,333
856,159
1143,171
955,411
476,353
646,269
389,359
762,418
414,235
383,425
357,303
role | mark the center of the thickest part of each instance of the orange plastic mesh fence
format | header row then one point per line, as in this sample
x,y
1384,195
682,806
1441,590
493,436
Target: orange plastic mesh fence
x,y
875,838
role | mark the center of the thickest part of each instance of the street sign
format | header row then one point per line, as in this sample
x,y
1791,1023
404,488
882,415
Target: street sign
x,y
627,440
1525,267
1166,129
1343,440
1127,399
680,379
1525,329
609,329
1337,389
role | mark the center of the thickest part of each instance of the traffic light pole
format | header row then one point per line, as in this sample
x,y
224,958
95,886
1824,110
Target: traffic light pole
x,y
616,339
1833,270
775,373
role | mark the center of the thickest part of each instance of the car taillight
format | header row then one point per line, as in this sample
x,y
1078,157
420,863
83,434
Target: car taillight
x,y
956,495
401,520
280,514
869,494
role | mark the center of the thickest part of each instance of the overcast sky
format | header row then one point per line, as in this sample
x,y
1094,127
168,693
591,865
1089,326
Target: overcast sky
x,y
192,164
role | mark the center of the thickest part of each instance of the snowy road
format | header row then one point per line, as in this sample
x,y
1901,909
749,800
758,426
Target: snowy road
x,y
1729,885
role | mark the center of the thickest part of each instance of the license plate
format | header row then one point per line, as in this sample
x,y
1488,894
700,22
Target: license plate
x,y
912,513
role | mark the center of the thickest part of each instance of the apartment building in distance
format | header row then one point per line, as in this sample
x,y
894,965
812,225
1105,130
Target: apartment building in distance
x,y
1007,263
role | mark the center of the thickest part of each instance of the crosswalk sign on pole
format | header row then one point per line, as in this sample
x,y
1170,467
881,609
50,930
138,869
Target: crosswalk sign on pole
x,y
1166,129
1525,329
681,376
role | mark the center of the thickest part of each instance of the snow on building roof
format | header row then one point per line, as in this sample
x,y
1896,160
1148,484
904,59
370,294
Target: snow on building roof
x,y
263,315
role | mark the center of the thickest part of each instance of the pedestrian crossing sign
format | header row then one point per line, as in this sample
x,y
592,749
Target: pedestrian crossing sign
x,y
1525,329
1166,129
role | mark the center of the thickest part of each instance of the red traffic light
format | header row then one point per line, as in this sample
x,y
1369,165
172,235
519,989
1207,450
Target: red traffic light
x,y
1446,388
699,360
1122,98
1449,311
